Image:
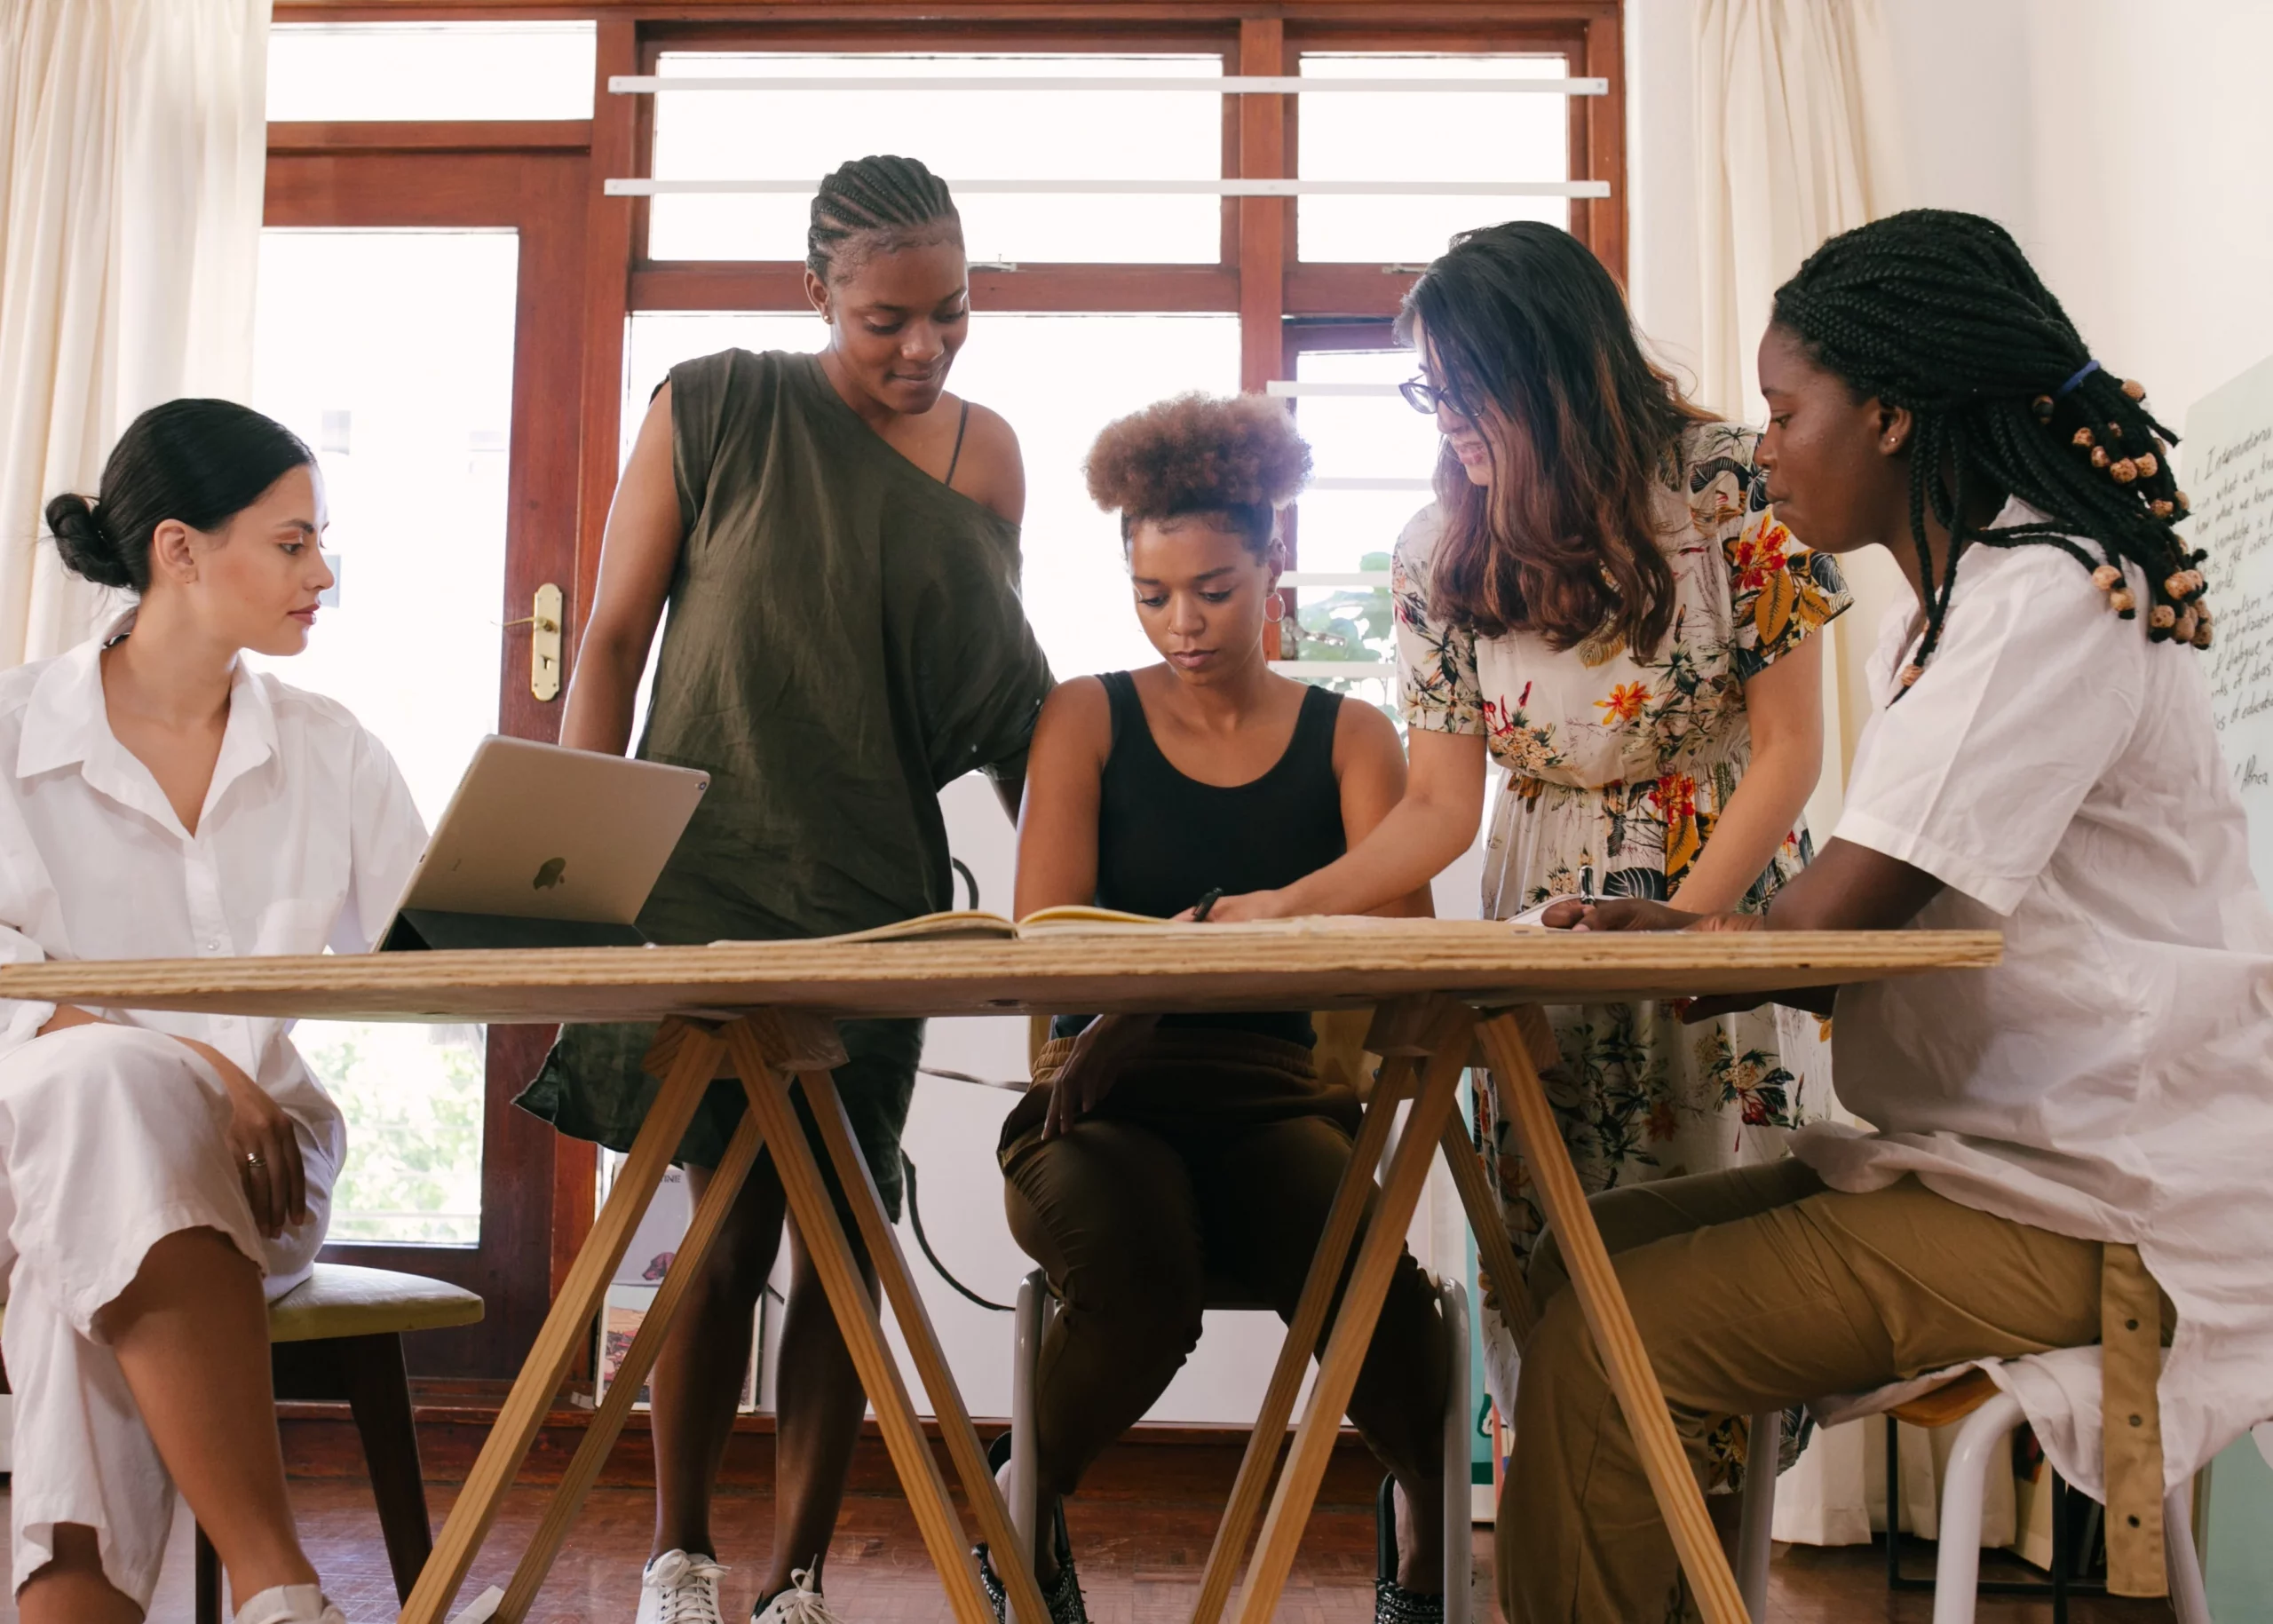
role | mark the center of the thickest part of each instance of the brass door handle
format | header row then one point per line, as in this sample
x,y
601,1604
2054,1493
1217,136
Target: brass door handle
x,y
544,643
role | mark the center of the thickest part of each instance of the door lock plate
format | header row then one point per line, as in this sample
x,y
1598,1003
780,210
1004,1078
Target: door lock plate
x,y
544,644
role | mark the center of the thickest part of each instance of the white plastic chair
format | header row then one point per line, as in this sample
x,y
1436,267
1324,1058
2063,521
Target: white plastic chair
x,y
1990,1418
1034,1308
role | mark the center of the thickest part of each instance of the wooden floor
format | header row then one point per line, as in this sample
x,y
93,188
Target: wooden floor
x,y
1138,1567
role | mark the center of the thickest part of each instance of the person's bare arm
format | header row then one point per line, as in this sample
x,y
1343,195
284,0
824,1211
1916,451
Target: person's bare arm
x,y
1849,887
1419,837
1057,867
1057,825
1369,764
1784,705
638,553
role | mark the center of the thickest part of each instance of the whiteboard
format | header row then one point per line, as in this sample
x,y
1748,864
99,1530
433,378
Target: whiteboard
x,y
2227,462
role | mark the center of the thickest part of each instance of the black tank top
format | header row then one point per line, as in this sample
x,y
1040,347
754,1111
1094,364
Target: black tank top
x,y
1164,840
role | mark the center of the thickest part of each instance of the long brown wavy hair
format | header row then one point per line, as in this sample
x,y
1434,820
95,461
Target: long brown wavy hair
x,y
1531,339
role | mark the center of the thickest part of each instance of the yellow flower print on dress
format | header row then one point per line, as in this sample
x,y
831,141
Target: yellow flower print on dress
x,y
1625,703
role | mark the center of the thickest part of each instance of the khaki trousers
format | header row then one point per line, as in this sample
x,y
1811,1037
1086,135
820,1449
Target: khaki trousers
x,y
1754,1289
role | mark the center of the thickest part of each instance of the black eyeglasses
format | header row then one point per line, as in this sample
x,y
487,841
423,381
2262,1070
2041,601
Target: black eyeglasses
x,y
1426,398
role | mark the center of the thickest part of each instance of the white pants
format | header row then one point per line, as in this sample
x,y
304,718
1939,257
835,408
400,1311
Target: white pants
x,y
111,1139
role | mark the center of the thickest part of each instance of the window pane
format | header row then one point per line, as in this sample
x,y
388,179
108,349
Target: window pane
x,y
1076,581
962,135
1414,135
391,352
1370,438
431,70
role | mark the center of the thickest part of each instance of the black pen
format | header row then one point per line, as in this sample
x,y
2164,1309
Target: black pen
x,y
1199,908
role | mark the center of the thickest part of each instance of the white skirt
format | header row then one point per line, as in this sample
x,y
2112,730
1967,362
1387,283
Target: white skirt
x,y
111,1138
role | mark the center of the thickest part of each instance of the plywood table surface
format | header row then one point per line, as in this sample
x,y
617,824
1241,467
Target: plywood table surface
x,y
1446,995
1172,967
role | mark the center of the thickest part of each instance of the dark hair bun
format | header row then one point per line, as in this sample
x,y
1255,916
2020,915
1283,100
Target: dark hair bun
x,y
1199,453
88,551
197,461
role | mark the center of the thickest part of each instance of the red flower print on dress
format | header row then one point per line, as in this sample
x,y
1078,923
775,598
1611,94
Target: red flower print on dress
x,y
1758,554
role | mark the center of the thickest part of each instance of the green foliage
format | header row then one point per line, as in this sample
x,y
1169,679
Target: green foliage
x,y
413,1098
1357,625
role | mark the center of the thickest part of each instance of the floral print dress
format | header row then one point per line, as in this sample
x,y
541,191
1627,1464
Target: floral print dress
x,y
1617,766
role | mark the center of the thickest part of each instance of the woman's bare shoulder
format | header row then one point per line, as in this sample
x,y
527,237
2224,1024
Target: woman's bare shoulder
x,y
992,471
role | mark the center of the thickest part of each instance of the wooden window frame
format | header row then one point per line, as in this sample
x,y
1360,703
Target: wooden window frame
x,y
1257,276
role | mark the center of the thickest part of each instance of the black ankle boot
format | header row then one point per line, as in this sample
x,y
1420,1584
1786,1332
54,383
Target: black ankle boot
x,y
1393,1604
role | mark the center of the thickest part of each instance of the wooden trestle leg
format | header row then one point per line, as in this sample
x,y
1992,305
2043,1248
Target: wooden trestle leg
x,y
1361,1305
1270,1434
1509,1040
615,1407
686,1078
856,1316
947,1408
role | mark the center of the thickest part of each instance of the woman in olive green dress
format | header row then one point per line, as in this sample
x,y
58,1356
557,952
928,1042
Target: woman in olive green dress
x,y
836,539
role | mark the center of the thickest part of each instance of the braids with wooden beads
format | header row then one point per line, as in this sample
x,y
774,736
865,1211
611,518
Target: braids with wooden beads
x,y
876,205
1941,312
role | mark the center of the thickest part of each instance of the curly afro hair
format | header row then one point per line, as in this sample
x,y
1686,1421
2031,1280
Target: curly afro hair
x,y
1235,456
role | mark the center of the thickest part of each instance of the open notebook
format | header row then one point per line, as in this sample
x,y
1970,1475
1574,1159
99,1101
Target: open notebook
x,y
964,924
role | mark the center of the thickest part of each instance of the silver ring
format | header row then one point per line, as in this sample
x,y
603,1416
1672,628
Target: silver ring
x,y
253,1160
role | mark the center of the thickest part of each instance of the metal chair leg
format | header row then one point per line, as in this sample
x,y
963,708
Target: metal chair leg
x,y
1031,1320
1458,1515
1965,1483
2187,1597
1755,1541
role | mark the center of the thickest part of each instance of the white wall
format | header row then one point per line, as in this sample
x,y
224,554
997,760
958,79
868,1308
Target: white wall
x,y
2123,142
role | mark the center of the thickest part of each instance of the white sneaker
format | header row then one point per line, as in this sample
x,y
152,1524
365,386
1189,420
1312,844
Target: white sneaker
x,y
680,1587
290,1604
800,1604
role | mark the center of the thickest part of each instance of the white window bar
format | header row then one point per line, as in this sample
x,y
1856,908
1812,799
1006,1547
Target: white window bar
x,y
1227,85
1334,577
1371,485
1332,667
1209,188
1288,386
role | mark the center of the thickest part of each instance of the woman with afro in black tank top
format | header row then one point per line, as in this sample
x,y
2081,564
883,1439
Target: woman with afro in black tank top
x,y
1156,1154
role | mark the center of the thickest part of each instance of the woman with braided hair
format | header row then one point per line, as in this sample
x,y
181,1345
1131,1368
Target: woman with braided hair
x,y
837,538
2069,1148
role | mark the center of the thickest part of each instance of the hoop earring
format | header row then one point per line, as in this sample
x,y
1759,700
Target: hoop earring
x,y
1274,602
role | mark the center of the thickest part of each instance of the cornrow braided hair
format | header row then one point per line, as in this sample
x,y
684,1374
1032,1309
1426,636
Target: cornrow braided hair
x,y
873,205
1941,312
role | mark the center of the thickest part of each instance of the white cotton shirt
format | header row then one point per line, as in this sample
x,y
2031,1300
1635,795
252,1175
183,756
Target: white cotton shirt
x,y
2112,1078
306,838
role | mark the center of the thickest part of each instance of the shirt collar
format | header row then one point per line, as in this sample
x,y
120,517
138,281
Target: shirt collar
x,y
66,723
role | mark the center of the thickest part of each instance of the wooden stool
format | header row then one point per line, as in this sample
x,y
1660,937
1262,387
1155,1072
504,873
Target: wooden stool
x,y
338,1334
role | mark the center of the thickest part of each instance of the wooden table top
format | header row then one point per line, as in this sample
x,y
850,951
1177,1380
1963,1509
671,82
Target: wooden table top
x,y
1298,965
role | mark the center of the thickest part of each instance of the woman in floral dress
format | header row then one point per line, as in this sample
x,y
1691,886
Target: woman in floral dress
x,y
1600,601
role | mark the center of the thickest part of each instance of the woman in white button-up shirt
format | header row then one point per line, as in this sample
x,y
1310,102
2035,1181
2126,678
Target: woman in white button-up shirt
x,y
163,1176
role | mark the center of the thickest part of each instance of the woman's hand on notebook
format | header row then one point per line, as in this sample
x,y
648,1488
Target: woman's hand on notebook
x,y
1240,909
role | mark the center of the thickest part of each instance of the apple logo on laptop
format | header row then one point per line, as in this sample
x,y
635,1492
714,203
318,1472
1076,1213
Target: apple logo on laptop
x,y
551,873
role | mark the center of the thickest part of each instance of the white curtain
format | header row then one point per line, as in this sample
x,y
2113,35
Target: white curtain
x,y
1797,140
132,156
